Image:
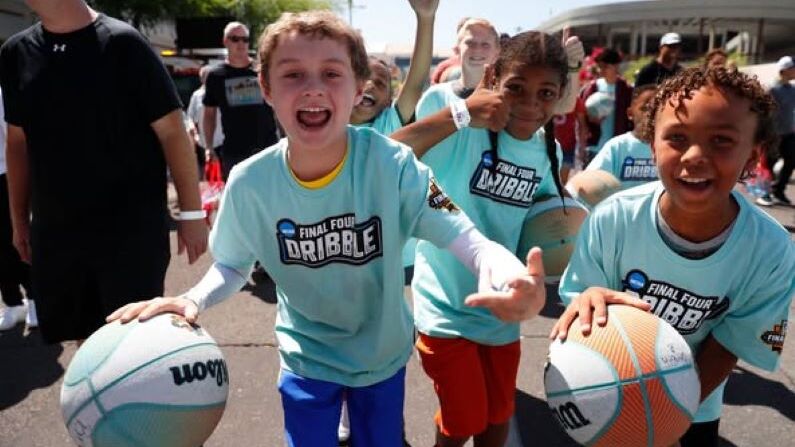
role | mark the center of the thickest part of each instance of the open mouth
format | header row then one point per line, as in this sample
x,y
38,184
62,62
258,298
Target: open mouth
x,y
368,100
313,117
694,183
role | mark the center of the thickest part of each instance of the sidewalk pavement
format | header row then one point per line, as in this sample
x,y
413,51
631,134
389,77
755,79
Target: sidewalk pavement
x,y
759,406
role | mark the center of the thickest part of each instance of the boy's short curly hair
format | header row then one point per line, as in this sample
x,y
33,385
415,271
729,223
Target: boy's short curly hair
x,y
682,86
318,25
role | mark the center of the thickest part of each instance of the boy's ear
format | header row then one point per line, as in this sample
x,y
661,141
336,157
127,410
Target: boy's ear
x,y
756,154
265,88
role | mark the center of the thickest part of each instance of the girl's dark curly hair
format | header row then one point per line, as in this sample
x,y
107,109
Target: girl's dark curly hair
x,y
682,86
537,49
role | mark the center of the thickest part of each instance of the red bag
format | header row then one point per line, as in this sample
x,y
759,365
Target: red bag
x,y
212,188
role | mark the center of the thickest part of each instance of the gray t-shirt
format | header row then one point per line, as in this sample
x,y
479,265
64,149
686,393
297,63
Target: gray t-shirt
x,y
784,93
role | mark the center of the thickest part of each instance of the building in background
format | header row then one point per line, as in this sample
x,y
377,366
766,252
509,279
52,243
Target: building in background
x,y
762,30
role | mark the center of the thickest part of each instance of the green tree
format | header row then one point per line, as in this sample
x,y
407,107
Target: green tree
x,y
255,13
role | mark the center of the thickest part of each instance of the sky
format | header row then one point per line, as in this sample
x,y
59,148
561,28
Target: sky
x,y
392,21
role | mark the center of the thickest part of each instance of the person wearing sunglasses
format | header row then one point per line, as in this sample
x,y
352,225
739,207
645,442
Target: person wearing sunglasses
x,y
246,120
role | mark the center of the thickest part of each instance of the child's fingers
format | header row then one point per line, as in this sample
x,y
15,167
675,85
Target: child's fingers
x,y
487,81
535,263
159,306
625,298
585,311
561,328
132,310
117,313
600,312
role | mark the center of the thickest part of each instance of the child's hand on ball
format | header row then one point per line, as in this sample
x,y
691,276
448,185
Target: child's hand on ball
x,y
144,310
590,305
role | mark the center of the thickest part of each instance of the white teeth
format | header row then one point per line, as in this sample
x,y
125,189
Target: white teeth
x,y
313,109
693,180
369,96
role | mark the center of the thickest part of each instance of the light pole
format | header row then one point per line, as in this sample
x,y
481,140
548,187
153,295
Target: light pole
x,y
351,7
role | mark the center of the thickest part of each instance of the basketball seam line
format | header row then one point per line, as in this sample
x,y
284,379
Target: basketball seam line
x,y
643,391
127,374
656,374
667,388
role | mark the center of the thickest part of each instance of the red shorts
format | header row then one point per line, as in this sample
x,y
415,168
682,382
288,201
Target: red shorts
x,y
476,384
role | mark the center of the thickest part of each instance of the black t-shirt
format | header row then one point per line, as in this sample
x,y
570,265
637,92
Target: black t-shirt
x,y
246,118
655,73
85,101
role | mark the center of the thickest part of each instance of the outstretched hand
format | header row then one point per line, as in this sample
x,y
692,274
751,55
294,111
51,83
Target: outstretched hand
x,y
144,310
487,107
424,8
592,305
524,297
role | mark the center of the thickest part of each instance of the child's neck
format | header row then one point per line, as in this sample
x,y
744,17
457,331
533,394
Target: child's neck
x,y
702,226
313,163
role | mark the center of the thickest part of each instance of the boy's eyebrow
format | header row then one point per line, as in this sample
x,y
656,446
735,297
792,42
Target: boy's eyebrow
x,y
293,60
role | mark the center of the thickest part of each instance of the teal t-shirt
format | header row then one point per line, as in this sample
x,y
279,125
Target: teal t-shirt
x,y
739,294
334,253
495,194
629,160
436,98
386,122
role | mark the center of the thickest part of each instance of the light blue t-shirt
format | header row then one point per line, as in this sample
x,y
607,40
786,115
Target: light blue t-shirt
x,y
607,126
740,294
334,253
496,195
436,98
629,159
386,122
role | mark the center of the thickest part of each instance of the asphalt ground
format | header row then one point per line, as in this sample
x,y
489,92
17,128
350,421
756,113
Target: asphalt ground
x,y
759,406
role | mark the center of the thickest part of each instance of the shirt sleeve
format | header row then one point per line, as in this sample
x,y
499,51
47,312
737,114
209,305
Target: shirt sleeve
x,y
213,89
755,331
605,159
228,242
587,267
9,81
425,209
151,83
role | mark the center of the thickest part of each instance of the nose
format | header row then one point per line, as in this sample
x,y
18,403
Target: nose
x,y
693,155
313,86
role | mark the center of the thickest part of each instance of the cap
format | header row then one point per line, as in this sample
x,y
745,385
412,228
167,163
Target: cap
x,y
671,39
785,63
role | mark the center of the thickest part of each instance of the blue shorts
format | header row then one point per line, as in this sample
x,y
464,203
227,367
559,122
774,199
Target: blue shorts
x,y
312,411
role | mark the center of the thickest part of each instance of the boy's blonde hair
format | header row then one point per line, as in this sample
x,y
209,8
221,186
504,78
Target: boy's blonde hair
x,y
316,25
474,22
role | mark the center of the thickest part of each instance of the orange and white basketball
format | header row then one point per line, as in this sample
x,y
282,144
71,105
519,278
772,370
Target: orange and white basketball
x,y
630,383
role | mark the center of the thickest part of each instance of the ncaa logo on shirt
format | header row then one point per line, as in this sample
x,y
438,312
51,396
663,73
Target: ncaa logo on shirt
x,y
639,169
682,309
334,239
504,182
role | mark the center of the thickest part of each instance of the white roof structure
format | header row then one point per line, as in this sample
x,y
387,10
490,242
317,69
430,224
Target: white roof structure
x,y
765,27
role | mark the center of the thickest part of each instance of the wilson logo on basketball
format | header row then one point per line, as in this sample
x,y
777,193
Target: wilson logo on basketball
x,y
334,239
187,373
775,338
504,182
682,309
569,416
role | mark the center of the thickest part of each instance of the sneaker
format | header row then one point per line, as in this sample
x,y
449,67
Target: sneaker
x,y
764,200
11,316
31,319
344,429
779,197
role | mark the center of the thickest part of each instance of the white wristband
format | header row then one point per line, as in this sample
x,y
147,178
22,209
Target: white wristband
x,y
461,118
191,215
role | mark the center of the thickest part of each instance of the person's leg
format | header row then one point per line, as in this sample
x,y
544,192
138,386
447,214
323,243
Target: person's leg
x,y
500,365
376,412
787,151
454,366
311,410
701,434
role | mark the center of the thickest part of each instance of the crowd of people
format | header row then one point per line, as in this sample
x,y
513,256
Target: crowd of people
x,y
331,209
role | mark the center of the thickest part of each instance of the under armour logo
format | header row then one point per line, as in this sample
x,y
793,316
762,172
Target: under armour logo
x,y
56,48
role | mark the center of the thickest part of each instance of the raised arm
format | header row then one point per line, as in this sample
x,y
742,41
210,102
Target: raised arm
x,y
421,58
19,189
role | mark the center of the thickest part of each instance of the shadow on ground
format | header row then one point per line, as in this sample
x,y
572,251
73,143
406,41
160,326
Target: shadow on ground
x,y
35,365
747,388
261,286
